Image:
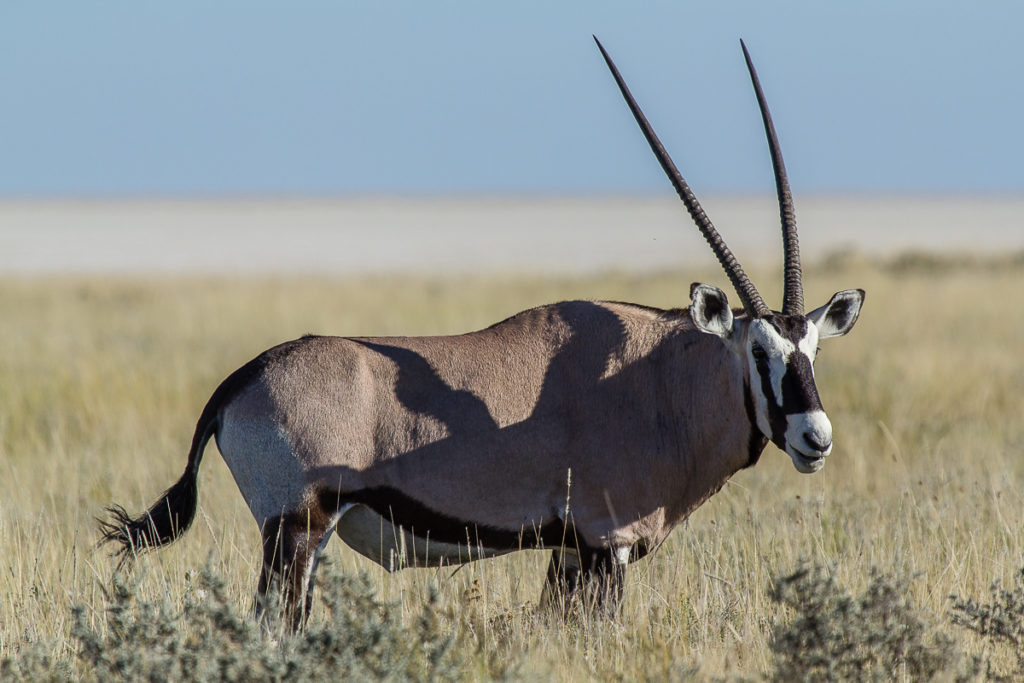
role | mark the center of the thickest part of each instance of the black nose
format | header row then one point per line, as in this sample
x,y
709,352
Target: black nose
x,y
816,443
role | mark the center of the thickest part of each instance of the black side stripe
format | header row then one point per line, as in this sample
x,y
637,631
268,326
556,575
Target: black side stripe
x,y
422,521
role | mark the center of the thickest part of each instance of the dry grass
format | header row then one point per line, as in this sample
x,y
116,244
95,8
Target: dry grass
x,y
103,379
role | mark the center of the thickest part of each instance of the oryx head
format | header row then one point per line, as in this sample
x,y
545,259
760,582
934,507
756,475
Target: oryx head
x,y
776,348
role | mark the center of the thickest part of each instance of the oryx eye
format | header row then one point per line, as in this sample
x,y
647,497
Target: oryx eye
x,y
758,352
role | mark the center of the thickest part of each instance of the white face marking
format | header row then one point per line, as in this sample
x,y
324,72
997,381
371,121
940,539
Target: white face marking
x,y
809,344
622,555
778,350
808,435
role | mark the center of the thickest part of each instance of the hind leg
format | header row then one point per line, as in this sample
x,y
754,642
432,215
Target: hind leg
x,y
291,544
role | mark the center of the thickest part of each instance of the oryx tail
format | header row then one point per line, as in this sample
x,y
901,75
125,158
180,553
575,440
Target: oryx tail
x,y
172,515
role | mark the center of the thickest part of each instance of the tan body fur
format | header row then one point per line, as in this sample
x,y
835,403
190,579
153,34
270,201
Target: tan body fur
x,y
630,413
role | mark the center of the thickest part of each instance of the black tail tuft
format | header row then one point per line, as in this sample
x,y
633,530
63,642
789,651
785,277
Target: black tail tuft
x,y
164,522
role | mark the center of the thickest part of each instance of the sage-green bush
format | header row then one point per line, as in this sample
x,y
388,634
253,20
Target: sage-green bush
x,y
208,638
1000,623
835,636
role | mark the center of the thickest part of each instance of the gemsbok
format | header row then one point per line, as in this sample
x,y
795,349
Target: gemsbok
x,y
587,428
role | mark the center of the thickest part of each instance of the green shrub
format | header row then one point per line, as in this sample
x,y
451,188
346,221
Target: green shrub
x,y
1000,622
835,636
208,638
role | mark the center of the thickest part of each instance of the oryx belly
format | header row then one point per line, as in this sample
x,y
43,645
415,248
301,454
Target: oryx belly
x,y
396,530
394,547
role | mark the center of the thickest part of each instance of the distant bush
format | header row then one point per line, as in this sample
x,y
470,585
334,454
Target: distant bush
x,y
208,638
835,636
937,263
918,262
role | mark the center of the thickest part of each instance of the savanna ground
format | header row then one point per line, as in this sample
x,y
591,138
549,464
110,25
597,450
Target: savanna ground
x,y
101,381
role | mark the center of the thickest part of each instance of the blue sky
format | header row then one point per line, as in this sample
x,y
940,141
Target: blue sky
x,y
254,98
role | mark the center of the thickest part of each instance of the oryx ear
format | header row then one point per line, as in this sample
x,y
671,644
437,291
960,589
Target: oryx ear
x,y
837,317
710,310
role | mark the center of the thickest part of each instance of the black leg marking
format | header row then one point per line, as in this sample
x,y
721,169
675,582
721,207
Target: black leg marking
x,y
590,580
564,580
605,582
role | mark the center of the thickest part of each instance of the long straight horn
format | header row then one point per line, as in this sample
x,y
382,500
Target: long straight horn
x,y
753,304
793,295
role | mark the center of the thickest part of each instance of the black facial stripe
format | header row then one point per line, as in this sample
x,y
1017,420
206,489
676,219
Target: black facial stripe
x,y
799,392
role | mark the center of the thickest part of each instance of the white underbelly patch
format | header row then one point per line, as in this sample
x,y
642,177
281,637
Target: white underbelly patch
x,y
394,548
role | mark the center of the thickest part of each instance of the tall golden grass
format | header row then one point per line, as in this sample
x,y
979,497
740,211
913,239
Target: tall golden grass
x,y
102,379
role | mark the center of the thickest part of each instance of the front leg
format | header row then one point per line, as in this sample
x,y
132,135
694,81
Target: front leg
x,y
605,579
593,578
563,582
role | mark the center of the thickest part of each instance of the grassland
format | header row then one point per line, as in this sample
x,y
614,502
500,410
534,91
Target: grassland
x,y
101,381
